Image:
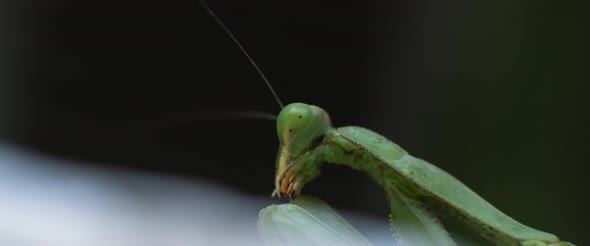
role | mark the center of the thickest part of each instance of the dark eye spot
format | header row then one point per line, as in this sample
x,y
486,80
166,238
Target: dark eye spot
x,y
290,130
300,116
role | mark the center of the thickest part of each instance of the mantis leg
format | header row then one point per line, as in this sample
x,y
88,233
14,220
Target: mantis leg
x,y
412,224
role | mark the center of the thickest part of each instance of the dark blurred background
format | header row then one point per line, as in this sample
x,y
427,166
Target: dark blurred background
x,y
495,93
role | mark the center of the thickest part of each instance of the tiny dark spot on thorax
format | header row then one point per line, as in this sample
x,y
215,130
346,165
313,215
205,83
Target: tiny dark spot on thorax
x,y
290,130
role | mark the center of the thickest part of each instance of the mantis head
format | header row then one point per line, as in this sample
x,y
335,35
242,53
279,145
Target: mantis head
x,y
299,126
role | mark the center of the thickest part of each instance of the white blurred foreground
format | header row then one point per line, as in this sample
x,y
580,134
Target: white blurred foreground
x,y
46,201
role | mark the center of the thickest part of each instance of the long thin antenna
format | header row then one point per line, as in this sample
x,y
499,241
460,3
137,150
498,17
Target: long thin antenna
x,y
231,35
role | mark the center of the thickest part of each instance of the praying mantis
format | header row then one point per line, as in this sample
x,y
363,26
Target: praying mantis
x,y
307,140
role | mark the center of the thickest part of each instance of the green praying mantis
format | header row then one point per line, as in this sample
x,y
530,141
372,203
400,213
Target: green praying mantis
x,y
307,140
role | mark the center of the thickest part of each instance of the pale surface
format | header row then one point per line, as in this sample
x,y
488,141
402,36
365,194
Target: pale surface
x,y
48,201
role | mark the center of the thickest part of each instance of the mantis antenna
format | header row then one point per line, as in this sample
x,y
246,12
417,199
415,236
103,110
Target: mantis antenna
x,y
190,117
235,40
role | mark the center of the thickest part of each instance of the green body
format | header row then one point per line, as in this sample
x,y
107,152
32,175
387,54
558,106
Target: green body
x,y
390,165
418,183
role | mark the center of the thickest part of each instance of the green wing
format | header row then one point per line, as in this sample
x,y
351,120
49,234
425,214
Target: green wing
x,y
431,184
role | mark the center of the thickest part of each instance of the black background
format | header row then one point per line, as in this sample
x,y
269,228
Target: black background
x,y
494,93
